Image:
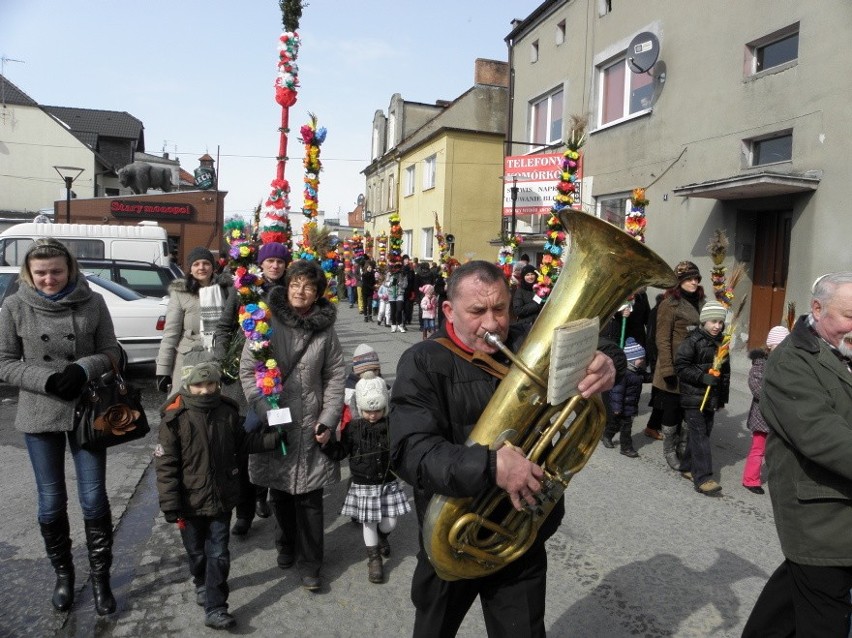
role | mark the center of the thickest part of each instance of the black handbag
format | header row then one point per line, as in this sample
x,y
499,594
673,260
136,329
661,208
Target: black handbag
x,y
108,413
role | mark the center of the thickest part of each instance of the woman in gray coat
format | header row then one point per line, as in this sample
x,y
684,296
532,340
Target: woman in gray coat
x,y
307,350
195,305
55,335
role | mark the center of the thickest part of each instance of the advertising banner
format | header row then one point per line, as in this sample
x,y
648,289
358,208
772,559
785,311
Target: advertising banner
x,y
536,177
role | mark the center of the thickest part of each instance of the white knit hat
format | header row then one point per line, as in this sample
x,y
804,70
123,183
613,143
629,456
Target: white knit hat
x,y
776,336
371,393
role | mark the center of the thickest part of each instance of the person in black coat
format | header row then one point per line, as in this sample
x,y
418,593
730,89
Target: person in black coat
x,y
526,305
368,286
437,398
624,399
694,366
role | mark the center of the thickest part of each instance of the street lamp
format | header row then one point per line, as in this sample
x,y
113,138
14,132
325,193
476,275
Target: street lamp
x,y
68,175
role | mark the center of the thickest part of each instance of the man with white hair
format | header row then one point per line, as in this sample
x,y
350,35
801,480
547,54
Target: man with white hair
x,y
807,402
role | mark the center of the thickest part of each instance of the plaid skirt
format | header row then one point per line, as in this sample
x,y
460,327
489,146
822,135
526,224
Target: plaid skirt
x,y
372,503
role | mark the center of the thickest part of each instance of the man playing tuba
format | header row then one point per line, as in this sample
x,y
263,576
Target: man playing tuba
x,y
437,398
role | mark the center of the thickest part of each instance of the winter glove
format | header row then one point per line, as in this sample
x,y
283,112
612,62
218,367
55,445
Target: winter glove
x,y
67,384
670,380
171,516
163,383
709,379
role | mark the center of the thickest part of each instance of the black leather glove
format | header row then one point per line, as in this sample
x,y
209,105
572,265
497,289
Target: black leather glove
x,y
709,379
163,383
670,380
171,516
67,384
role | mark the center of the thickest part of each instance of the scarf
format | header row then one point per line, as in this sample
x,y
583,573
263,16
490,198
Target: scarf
x,y
204,402
212,304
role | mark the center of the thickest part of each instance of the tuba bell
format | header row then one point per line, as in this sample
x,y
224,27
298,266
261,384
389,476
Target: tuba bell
x,y
476,536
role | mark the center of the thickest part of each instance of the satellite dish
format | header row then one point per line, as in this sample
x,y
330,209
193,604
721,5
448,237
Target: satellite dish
x,y
360,200
643,52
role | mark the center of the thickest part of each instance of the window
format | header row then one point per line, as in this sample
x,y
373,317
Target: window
x,y
407,241
769,150
409,180
622,92
391,139
534,52
559,36
375,153
604,7
774,50
428,237
613,209
391,192
429,172
546,119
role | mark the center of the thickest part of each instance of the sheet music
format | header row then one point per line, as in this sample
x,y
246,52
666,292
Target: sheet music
x,y
574,347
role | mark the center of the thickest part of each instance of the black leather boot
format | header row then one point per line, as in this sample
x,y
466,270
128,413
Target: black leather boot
x,y
99,543
384,544
57,542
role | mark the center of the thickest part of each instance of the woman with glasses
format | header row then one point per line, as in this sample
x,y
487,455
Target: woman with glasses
x,y
55,335
305,346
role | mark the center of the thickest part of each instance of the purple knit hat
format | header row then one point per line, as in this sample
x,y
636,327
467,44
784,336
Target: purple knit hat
x,y
273,250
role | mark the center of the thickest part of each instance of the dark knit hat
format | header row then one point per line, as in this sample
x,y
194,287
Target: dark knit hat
x,y
199,366
273,250
633,350
198,253
713,310
686,270
364,359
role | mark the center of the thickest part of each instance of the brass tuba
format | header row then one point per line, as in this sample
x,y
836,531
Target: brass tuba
x,y
477,536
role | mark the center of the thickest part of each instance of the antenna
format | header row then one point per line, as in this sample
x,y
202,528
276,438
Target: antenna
x,y
3,61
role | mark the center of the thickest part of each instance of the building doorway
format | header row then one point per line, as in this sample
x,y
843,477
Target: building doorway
x,y
769,277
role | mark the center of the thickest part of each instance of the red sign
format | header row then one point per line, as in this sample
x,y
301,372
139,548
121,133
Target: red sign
x,y
536,177
125,209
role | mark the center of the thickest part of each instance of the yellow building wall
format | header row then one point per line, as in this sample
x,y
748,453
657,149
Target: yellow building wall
x,y
467,196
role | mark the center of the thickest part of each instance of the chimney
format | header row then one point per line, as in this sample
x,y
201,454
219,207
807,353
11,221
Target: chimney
x,y
491,72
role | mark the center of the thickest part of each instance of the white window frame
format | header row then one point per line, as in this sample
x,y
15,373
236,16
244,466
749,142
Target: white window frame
x,y
646,86
391,192
428,243
616,201
750,147
546,102
407,241
755,48
429,165
409,180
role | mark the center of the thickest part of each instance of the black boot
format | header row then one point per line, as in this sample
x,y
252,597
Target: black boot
x,y
99,543
610,430
384,545
57,542
375,570
625,439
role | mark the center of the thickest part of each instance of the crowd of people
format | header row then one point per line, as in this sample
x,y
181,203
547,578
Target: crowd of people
x,y
223,447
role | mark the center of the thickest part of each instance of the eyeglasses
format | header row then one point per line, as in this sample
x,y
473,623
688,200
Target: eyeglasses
x,y
306,288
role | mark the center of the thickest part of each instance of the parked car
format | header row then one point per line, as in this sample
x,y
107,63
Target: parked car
x,y
138,320
145,278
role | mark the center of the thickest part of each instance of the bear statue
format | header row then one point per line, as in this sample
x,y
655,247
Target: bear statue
x,y
140,176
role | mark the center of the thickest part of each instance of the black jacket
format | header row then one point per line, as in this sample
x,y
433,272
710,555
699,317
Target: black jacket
x,y
523,307
368,448
198,471
693,359
436,401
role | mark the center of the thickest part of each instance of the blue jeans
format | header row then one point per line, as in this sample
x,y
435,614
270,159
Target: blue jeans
x,y
47,455
206,541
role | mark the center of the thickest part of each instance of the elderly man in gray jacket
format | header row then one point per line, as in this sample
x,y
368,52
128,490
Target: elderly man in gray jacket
x,y
807,402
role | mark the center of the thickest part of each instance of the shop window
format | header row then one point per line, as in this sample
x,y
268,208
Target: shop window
x,y
613,208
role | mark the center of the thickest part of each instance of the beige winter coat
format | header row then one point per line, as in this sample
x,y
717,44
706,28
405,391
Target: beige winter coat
x,y
313,392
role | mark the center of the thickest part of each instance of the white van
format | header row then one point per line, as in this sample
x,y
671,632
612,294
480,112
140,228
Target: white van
x,y
146,241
